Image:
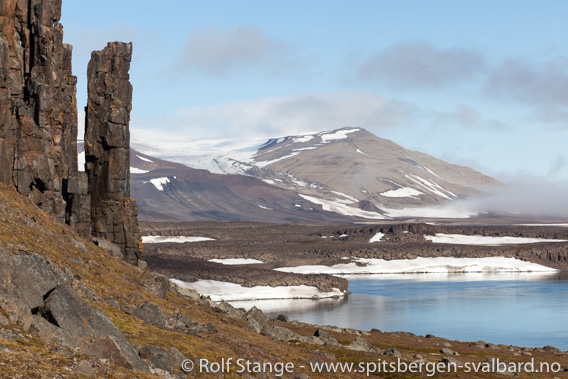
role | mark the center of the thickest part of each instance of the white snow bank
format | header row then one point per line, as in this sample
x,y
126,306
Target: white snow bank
x,y
134,170
176,239
460,239
302,139
236,261
421,265
266,163
442,212
431,186
225,291
145,159
402,192
340,207
305,148
340,134
159,183
563,225
351,198
377,237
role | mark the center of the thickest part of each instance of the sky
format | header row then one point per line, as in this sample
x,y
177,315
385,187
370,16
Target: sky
x,y
476,83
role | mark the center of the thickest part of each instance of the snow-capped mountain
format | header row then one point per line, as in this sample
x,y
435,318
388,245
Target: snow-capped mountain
x,y
347,173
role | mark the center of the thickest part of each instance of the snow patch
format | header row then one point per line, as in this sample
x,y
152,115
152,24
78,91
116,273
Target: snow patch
x,y
302,139
263,207
563,225
134,170
159,183
431,172
266,163
269,181
145,159
236,261
305,148
341,208
377,237
176,239
422,265
346,196
431,186
402,192
226,291
461,239
340,134
446,212
360,152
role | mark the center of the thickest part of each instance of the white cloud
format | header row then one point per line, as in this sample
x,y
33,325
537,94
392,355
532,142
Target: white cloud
x,y
271,117
217,51
541,85
467,117
419,65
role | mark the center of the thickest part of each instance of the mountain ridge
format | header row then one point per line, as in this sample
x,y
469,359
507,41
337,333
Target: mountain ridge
x,y
349,172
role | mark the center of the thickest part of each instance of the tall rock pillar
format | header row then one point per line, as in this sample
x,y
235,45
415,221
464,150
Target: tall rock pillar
x,y
107,149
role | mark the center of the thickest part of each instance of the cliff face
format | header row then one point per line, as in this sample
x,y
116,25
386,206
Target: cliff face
x,y
107,148
38,115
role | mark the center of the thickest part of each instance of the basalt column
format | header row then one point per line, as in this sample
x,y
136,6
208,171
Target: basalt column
x,y
38,111
107,145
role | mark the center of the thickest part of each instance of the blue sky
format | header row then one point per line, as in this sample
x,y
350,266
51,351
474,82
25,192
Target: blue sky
x,y
477,83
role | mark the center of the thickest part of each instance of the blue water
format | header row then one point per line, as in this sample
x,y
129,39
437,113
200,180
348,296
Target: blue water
x,y
513,309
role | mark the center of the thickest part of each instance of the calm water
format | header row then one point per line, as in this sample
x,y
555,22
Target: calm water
x,y
523,309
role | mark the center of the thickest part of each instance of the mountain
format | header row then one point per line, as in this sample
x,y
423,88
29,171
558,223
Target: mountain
x,y
168,191
338,175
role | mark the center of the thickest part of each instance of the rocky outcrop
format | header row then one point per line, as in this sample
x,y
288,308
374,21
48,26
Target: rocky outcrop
x,y
38,125
107,144
37,297
38,111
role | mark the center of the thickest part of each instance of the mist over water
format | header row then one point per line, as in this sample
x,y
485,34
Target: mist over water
x,y
521,196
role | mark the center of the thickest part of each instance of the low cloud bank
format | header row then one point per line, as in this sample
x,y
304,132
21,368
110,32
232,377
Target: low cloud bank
x,y
522,196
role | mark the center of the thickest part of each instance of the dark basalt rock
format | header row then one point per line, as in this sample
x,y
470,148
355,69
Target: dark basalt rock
x,y
38,126
107,147
38,111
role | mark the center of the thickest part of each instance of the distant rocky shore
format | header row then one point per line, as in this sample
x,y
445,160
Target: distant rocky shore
x,y
299,245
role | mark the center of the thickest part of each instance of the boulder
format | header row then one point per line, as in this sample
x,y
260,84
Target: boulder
x,y
66,310
392,352
361,344
158,358
280,333
151,314
29,278
156,284
115,351
256,319
236,313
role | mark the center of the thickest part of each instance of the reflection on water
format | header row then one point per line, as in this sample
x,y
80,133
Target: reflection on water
x,y
524,309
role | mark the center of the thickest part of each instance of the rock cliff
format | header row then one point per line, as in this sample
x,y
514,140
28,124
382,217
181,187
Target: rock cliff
x,y
38,111
38,125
